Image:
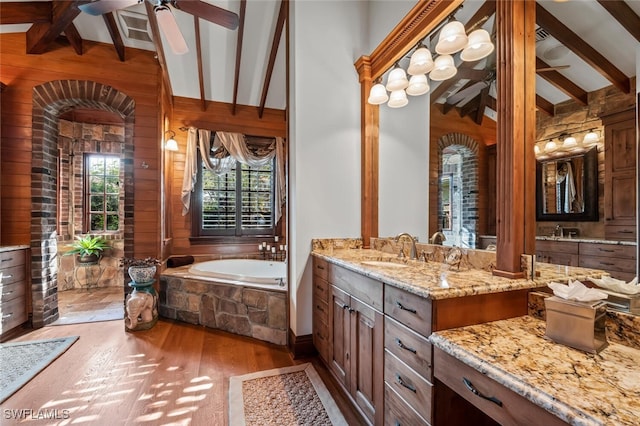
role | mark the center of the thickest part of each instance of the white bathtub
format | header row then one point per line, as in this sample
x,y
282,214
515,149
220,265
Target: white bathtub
x,y
250,272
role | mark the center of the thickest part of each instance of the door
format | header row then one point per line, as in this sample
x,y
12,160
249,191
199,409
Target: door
x,y
339,338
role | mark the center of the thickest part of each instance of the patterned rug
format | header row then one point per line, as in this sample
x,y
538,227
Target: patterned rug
x,y
283,396
22,361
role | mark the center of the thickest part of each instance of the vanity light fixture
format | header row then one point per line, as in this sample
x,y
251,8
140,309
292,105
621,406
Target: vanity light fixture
x,y
378,94
421,61
550,146
397,79
418,85
171,144
479,46
536,150
569,142
444,68
590,138
398,99
453,38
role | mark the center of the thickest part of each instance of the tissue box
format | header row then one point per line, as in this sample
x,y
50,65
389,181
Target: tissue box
x,y
623,302
579,325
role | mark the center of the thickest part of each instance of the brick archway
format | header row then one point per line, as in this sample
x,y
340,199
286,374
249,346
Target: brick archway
x,y
468,212
50,100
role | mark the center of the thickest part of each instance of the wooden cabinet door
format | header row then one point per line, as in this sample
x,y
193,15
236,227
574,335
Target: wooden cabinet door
x,y
339,336
367,359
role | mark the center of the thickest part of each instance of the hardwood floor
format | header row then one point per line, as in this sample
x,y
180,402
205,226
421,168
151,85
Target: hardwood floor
x,y
97,304
175,373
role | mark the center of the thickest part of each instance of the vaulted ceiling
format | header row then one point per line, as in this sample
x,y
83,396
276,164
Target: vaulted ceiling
x,y
584,45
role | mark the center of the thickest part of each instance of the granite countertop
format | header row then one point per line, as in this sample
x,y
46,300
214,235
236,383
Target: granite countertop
x,y
586,240
579,388
437,280
10,248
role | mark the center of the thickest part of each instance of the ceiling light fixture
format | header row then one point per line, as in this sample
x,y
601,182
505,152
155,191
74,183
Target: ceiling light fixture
x,y
171,144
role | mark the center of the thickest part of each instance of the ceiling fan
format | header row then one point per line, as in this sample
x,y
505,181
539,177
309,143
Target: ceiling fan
x,y
166,20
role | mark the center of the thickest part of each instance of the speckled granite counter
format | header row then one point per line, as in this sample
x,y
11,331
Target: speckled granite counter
x,y
587,240
579,388
10,248
437,280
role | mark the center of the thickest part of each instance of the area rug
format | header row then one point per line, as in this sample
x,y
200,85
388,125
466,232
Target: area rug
x,y
282,396
22,361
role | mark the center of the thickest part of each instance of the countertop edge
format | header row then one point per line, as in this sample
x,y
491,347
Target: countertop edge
x,y
11,248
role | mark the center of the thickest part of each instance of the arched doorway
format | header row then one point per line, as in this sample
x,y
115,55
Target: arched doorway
x,y
50,100
458,213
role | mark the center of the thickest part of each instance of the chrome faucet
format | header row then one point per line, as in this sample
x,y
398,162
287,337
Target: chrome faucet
x,y
412,255
437,238
559,231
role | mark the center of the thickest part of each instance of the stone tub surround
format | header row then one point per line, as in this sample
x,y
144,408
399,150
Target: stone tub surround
x,y
579,388
257,313
436,280
621,327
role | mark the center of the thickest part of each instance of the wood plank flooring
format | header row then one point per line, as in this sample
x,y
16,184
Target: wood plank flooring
x,y
96,304
174,374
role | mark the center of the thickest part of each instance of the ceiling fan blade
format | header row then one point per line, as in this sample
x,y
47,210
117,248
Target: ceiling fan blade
x,y
208,12
169,27
470,91
97,8
556,68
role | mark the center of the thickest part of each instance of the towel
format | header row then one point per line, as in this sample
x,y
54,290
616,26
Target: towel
x,y
190,170
175,261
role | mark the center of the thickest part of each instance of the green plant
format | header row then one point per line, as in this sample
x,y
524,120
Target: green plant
x,y
87,245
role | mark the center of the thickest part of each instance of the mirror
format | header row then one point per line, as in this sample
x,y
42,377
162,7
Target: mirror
x,y
567,188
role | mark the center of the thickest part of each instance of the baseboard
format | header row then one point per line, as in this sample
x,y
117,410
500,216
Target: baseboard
x,y
301,346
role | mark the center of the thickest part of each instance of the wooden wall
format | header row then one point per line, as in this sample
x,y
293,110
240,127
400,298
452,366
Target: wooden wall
x,y
138,77
217,117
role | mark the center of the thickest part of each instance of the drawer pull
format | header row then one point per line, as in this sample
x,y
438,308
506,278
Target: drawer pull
x,y
345,306
8,259
401,382
7,293
606,263
405,347
9,315
319,308
605,250
320,267
6,276
475,391
319,287
404,308
625,231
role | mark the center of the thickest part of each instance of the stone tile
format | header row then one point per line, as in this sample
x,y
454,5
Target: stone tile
x,y
193,302
167,312
194,286
231,307
279,337
208,318
257,316
255,298
277,313
190,317
176,299
234,324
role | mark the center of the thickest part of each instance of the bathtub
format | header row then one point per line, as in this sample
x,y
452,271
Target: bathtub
x,y
263,274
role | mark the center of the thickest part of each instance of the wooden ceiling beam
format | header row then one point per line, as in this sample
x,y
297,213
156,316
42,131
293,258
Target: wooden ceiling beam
x,y
484,12
624,15
42,34
445,85
484,95
26,12
581,48
74,37
203,100
114,32
562,83
545,106
157,41
236,77
282,15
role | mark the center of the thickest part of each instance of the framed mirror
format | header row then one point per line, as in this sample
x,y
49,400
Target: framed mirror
x,y
567,187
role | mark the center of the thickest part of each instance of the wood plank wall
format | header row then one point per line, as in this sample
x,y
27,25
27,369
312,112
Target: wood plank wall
x,y
217,117
138,77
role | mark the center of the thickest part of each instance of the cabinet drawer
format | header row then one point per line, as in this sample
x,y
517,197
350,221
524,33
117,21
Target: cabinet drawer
x,y
509,408
321,338
608,263
320,268
11,291
557,246
566,259
320,289
11,258
620,233
321,310
363,288
608,250
12,275
398,412
13,313
409,309
414,389
410,347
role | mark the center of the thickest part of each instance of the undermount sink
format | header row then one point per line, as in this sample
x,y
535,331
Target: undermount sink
x,y
383,264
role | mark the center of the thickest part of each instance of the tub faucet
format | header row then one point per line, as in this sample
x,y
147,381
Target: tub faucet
x,y
412,255
437,238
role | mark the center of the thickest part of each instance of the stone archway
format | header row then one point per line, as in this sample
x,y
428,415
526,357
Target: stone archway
x,y
464,207
49,101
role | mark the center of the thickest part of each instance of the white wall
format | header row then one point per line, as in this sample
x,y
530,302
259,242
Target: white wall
x,y
326,38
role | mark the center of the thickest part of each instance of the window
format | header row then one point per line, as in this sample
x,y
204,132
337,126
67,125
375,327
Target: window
x,y
102,192
237,203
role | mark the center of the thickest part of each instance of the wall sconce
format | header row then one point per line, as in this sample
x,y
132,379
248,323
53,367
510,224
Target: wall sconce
x,y
171,144
569,141
590,138
550,146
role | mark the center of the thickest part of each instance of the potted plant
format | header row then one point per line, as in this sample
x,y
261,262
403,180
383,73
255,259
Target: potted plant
x,y
88,249
141,270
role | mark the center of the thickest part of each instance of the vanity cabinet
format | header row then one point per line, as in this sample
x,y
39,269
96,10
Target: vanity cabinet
x,y
321,292
617,260
558,252
356,344
620,175
14,295
493,399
